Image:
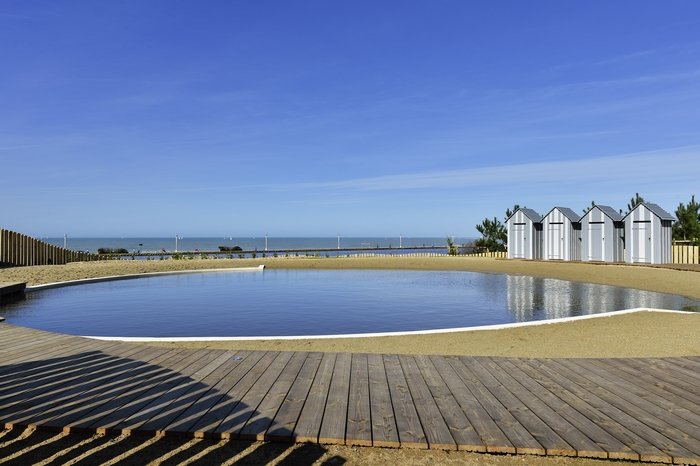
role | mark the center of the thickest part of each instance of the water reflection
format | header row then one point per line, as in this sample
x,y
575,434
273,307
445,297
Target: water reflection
x,y
532,298
317,302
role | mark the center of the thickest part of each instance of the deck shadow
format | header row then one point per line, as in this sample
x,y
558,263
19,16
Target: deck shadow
x,y
95,391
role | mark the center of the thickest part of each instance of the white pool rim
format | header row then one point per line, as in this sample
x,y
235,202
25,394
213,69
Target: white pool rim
x,y
396,334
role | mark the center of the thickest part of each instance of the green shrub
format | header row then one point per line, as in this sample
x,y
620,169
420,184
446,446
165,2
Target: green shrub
x,y
112,251
230,248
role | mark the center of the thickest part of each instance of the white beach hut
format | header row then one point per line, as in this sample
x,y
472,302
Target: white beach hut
x,y
561,232
602,235
524,235
648,235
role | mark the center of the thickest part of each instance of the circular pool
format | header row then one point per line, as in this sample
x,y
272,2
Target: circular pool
x,y
317,302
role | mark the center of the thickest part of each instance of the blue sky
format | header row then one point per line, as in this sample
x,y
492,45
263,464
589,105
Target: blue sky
x,y
312,118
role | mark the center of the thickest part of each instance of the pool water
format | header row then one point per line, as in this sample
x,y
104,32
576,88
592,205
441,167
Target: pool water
x,y
317,302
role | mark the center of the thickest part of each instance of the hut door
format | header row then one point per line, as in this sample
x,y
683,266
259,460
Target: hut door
x,y
595,245
556,240
641,237
519,241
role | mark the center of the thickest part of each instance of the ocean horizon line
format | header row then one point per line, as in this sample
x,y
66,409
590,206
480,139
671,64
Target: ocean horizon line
x,y
136,244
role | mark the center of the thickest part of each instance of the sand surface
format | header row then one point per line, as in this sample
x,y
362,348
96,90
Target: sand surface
x,y
645,334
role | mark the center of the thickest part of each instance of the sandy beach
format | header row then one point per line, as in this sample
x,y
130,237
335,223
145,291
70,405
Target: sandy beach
x,y
644,334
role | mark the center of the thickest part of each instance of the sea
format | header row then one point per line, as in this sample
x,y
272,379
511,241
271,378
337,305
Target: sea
x,y
269,243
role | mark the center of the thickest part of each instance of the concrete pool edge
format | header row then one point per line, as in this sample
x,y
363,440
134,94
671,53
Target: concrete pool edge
x,y
131,276
393,334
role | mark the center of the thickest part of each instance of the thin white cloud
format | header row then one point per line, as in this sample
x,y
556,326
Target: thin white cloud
x,y
678,163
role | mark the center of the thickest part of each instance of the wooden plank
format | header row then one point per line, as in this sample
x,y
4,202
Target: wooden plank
x,y
602,439
384,431
61,363
657,419
335,415
282,427
686,363
358,430
462,431
28,348
11,337
175,398
591,406
172,399
256,427
522,440
42,349
42,402
489,432
649,391
520,403
437,433
219,383
206,425
82,391
678,372
59,359
687,366
653,380
37,390
309,424
248,405
101,401
663,379
408,424
531,411
136,398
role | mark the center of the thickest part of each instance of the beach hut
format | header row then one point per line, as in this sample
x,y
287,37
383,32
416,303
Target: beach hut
x,y
524,235
648,235
602,235
561,231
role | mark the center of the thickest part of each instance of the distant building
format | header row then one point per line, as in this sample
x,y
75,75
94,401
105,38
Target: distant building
x,y
524,235
561,232
602,235
648,235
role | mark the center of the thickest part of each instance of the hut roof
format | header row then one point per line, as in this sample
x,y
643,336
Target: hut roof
x,y
656,210
529,213
568,213
610,212
532,215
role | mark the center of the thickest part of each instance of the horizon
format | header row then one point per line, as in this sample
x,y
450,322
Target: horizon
x,y
135,119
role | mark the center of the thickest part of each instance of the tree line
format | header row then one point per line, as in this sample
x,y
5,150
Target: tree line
x,y
494,233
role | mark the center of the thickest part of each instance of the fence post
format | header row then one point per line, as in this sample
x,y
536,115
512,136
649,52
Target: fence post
x,y
2,246
12,247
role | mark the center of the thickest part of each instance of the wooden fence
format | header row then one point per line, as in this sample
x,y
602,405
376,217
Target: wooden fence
x,y
686,254
18,249
492,254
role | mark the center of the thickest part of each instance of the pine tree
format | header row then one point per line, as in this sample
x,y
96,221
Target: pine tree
x,y
688,225
634,202
587,209
494,234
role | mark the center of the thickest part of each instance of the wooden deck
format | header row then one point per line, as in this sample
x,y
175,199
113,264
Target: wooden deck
x,y
638,409
11,291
